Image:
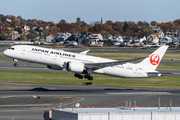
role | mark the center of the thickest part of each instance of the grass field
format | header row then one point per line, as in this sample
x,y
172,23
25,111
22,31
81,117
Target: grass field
x,y
66,78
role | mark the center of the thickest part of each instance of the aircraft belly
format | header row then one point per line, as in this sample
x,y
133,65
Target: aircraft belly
x,y
124,73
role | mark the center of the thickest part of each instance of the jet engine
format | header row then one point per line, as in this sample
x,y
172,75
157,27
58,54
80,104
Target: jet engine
x,y
76,67
54,67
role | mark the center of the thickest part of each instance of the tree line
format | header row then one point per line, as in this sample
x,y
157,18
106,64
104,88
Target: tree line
x,y
127,28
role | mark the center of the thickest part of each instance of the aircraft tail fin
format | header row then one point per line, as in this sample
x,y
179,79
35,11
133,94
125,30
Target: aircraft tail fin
x,y
153,60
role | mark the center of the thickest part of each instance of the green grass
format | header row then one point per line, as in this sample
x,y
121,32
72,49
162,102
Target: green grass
x,y
169,67
66,78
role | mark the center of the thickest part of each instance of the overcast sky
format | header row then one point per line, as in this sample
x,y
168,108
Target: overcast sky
x,y
93,10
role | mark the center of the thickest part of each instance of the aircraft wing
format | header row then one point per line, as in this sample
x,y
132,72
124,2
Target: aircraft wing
x,y
99,65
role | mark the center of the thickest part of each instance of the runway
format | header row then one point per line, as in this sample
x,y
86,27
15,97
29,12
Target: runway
x,y
20,101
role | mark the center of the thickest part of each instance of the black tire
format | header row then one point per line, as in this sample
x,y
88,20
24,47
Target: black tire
x,y
90,78
86,76
76,75
15,64
80,77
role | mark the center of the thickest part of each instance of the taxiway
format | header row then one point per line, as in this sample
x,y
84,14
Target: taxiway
x,y
19,100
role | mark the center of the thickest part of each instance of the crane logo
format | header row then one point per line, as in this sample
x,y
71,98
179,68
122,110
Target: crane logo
x,y
154,59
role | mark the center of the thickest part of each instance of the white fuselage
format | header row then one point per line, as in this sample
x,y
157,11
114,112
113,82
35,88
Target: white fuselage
x,y
59,58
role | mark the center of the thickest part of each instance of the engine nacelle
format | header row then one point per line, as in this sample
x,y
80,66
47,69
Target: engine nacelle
x,y
54,67
76,67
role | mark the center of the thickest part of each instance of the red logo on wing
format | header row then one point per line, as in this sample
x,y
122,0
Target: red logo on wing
x,y
154,59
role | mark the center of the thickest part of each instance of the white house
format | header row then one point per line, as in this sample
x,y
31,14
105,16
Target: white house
x,y
50,38
160,35
117,38
94,40
140,39
165,40
152,39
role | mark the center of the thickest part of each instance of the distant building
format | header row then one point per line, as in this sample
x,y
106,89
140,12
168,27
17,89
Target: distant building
x,y
25,29
50,38
8,20
81,38
108,36
160,35
14,35
117,38
127,39
62,37
78,21
152,39
96,40
140,39
166,40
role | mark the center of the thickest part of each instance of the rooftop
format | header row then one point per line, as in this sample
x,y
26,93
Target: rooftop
x,y
121,110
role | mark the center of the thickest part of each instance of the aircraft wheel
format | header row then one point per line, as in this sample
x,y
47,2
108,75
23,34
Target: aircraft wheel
x,y
86,76
80,77
76,75
90,78
15,64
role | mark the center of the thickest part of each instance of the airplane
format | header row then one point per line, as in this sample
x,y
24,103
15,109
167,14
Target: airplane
x,y
84,65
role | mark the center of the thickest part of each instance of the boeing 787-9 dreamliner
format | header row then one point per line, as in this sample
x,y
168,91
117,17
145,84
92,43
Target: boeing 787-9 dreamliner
x,y
80,63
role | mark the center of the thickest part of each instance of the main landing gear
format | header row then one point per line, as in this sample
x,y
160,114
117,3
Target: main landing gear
x,y
85,76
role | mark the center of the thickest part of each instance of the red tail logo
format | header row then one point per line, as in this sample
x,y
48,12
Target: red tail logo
x,y
154,59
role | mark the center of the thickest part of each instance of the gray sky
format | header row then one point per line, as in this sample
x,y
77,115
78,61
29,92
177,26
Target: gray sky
x,y
93,10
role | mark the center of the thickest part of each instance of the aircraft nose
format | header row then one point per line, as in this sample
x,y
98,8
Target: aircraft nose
x,y
5,52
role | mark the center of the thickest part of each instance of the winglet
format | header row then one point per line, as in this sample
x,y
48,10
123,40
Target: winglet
x,y
84,52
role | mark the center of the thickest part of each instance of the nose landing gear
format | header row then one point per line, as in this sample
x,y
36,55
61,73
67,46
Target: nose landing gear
x,y
15,64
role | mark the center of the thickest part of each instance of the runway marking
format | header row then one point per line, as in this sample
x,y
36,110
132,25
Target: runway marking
x,y
34,96
80,99
7,97
41,108
127,100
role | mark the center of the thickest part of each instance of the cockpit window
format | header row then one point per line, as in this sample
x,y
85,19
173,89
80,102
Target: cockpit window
x,y
11,48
